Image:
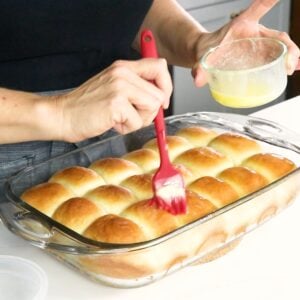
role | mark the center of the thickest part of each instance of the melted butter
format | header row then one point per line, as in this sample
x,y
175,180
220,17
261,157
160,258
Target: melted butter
x,y
255,95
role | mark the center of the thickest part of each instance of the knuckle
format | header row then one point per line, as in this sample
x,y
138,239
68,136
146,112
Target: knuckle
x,y
118,71
117,84
137,124
163,63
119,63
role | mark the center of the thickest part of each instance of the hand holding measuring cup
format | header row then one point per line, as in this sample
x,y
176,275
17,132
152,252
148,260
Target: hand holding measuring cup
x,y
246,72
245,25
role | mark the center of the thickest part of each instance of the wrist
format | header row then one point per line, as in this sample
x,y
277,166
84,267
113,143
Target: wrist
x,y
49,120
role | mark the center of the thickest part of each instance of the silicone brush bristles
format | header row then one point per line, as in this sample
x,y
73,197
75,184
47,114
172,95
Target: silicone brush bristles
x,y
169,193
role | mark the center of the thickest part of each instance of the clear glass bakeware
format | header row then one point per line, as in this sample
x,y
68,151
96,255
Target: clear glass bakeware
x,y
132,265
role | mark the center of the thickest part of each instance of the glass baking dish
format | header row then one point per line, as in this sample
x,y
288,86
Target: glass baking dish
x,y
137,264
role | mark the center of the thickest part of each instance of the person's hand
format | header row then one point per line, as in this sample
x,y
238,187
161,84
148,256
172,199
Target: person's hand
x,y
245,25
120,97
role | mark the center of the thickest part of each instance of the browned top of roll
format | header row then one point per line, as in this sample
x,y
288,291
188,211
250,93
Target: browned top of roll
x,y
176,145
197,136
114,170
140,185
243,180
111,198
271,166
115,229
153,221
46,197
78,179
219,192
77,213
147,159
236,147
203,161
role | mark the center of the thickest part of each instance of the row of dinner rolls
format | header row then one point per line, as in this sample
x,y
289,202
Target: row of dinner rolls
x,y
109,200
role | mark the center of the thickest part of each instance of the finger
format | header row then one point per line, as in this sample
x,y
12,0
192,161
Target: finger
x,y
146,105
143,102
292,48
199,76
145,86
258,9
155,70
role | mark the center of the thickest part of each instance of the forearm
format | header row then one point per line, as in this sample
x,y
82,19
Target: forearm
x,y
26,117
176,32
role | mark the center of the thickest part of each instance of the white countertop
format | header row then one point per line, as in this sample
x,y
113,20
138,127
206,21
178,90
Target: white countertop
x,y
266,264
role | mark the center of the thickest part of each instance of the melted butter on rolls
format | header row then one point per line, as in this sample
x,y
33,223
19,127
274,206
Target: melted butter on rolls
x,y
203,161
114,170
234,146
197,136
176,145
109,201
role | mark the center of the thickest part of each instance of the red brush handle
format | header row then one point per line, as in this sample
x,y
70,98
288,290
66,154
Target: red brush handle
x,y
148,49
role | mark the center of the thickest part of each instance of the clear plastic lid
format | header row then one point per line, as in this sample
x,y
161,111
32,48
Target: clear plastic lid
x,y
21,279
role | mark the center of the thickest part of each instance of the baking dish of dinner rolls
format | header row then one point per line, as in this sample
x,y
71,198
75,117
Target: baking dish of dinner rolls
x,y
91,207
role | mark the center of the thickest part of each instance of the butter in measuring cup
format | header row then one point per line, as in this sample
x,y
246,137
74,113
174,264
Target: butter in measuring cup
x,y
246,72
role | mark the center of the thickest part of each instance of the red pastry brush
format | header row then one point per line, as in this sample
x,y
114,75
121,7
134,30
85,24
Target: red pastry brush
x,y
168,185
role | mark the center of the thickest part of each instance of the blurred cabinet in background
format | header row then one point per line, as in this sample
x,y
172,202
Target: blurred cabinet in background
x,y
213,14
294,80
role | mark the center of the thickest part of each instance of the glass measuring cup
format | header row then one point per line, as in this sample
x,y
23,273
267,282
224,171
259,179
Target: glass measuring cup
x,y
246,72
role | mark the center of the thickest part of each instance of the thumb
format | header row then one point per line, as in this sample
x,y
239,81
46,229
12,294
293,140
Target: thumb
x,y
199,75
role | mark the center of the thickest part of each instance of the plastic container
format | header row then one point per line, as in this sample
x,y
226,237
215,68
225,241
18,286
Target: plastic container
x,y
137,264
247,72
21,279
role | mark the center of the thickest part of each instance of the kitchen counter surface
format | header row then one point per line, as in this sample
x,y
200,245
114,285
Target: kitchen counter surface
x,y
266,264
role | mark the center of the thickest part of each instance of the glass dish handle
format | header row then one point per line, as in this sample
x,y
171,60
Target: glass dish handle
x,y
273,133
36,231
25,224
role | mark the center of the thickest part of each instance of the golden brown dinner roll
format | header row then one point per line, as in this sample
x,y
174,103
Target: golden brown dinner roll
x,y
197,207
187,175
271,166
219,192
153,221
197,136
46,197
78,179
111,198
236,147
243,180
176,145
146,159
140,186
203,161
77,213
114,170
114,229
